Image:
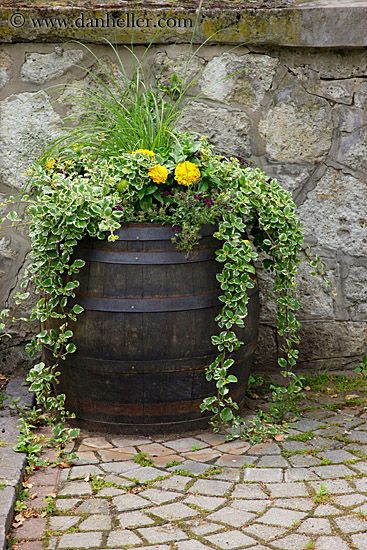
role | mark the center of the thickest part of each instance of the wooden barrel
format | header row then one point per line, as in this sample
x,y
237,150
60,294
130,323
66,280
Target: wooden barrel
x,y
144,340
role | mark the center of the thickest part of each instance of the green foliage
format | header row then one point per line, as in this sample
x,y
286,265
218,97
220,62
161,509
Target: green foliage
x,y
143,459
96,181
322,496
362,367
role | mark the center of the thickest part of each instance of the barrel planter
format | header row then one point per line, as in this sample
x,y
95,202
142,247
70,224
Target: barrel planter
x,y
144,339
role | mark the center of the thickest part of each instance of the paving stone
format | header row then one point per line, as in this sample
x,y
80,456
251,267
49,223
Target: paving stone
x,y
196,468
272,461
228,474
174,511
301,504
202,527
119,467
145,473
358,436
206,503
258,506
232,539
28,545
134,519
96,443
303,461
235,461
78,488
192,545
158,496
236,447
328,543
288,489
186,444
338,456
62,522
130,441
162,533
231,516
265,532
350,524
281,517
175,482
155,547
326,510
93,506
315,526
349,500
47,477
361,484
360,541
266,475
31,529
334,486
211,487
96,522
205,455
250,491
115,455
292,542
66,503
265,449
306,425
332,472
212,438
299,474
81,472
155,449
81,540
128,502
122,537
361,467
111,492
164,461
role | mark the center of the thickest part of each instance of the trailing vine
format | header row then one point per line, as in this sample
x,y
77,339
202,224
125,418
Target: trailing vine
x,y
127,163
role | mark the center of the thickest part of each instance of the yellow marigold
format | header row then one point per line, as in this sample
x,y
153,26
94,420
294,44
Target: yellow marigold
x,y
144,152
158,173
186,173
50,164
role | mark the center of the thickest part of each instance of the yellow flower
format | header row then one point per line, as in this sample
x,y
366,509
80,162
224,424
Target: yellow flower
x,y
158,173
50,164
186,173
144,152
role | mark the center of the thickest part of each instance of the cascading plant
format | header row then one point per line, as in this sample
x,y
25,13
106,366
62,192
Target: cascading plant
x,y
126,162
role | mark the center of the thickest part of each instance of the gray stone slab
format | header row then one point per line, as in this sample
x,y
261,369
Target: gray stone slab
x,y
81,540
231,516
334,543
96,522
360,541
76,488
231,539
315,526
63,523
122,537
134,519
145,474
196,468
173,512
266,475
281,517
288,490
211,487
206,503
351,524
162,533
129,502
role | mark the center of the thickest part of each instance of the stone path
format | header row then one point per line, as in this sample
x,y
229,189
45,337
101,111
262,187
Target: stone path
x,y
198,492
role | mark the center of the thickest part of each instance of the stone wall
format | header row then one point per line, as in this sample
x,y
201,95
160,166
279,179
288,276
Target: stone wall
x,y
298,113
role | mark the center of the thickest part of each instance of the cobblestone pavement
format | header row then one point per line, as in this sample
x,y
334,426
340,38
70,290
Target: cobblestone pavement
x,y
199,492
